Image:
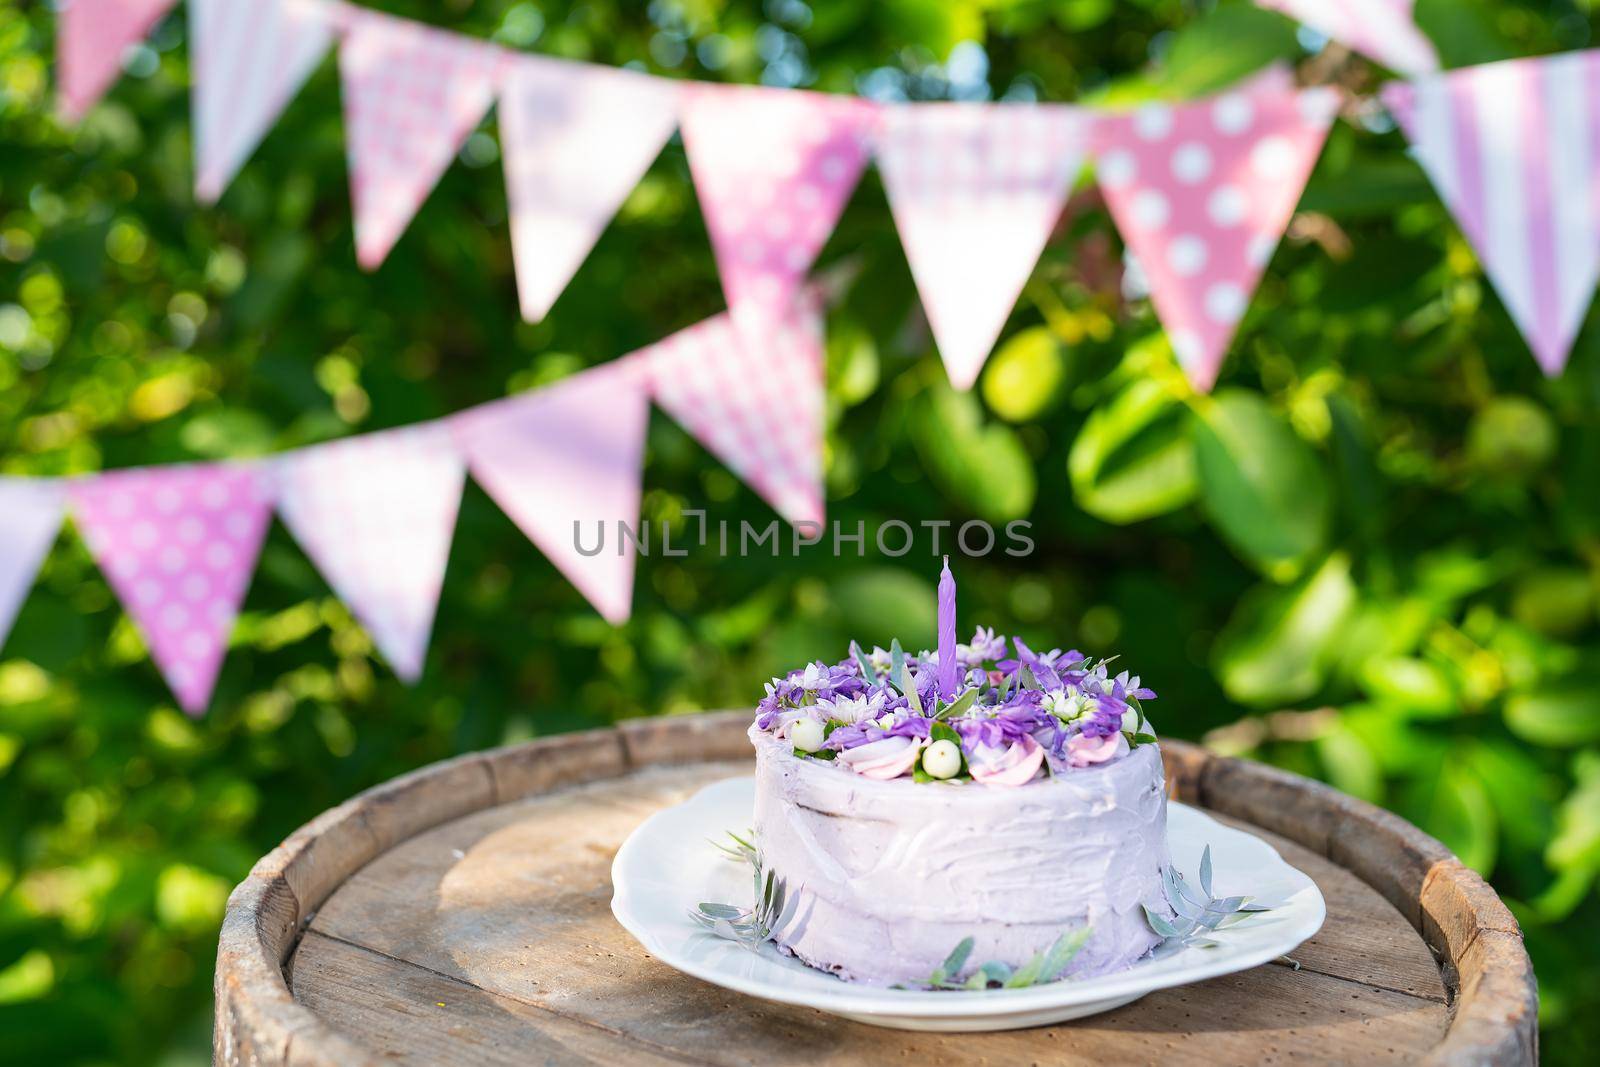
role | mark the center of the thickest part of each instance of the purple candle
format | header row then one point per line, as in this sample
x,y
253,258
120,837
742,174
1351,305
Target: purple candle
x,y
948,670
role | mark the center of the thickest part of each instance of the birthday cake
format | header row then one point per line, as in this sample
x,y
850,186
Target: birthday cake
x,y
981,795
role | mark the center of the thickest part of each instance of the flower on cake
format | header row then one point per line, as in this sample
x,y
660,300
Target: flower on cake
x,y
962,713
889,757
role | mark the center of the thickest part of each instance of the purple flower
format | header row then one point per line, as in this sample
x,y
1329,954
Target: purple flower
x,y
983,647
999,727
845,738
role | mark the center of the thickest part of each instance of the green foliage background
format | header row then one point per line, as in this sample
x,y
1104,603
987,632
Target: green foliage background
x,y
1371,556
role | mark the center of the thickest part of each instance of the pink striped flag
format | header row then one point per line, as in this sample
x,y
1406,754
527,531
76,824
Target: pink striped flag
x,y
178,545
1514,150
755,402
577,138
91,38
412,96
1382,29
376,514
565,463
30,517
773,169
975,190
249,58
1201,193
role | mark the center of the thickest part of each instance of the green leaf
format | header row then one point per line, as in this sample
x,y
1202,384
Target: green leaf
x,y
982,464
958,957
1277,646
1024,375
1453,806
1260,484
1205,871
865,664
1159,924
960,704
1415,685
1133,459
1562,715
1066,948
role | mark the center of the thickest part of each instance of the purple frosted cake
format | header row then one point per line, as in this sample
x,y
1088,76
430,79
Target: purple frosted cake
x,y
981,791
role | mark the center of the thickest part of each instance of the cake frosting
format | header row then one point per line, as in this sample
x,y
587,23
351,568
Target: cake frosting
x,y
889,876
981,795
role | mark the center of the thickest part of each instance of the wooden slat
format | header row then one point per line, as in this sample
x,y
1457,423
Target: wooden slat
x,y
408,1015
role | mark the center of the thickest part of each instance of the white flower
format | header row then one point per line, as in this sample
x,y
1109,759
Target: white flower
x,y
813,678
852,709
806,735
1130,721
942,759
1067,706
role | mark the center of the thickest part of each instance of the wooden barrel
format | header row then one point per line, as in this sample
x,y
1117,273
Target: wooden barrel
x,y
461,915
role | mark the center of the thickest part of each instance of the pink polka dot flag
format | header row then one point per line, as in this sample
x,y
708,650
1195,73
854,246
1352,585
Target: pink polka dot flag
x,y
412,96
249,57
577,138
755,403
30,517
1382,29
178,545
1202,192
975,190
773,169
376,514
565,462
91,38
1514,150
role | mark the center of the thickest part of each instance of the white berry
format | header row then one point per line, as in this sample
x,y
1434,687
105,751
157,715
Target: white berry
x,y
942,759
806,735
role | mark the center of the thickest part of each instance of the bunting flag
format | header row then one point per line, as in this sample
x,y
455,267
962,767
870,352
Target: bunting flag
x,y
773,169
412,96
975,190
91,38
565,463
1385,30
249,58
1202,192
577,138
30,516
376,514
756,404
178,545
1513,149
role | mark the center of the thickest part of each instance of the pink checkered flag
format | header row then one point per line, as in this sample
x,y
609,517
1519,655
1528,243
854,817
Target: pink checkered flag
x,y
565,463
1382,29
376,514
249,58
412,95
1202,192
1513,149
178,545
30,516
756,403
975,190
91,38
773,169
577,138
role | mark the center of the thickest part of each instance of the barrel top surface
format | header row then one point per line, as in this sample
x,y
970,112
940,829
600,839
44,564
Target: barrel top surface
x,y
487,938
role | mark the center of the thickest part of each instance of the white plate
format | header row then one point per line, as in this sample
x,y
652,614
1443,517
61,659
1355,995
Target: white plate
x,y
668,865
